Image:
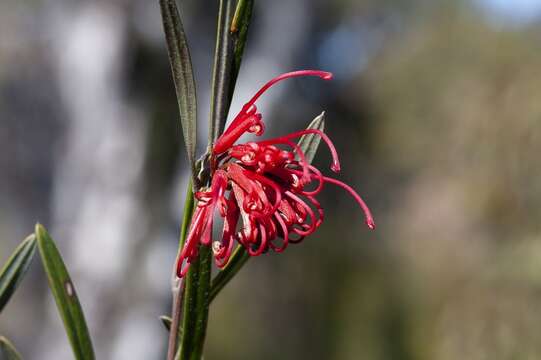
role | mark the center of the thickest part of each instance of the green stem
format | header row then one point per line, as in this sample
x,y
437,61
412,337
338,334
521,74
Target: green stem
x,y
196,306
178,286
197,288
197,293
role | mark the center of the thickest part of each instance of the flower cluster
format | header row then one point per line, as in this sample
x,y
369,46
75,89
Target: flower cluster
x,y
265,194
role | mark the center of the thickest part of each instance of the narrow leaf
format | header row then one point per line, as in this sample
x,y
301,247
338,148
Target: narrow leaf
x,y
189,207
221,75
15,268
65,296
230,43
239,29
309,143
181,66
166,321
8,351
237,261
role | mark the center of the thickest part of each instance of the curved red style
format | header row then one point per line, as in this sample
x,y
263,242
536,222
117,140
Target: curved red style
x,y
262,187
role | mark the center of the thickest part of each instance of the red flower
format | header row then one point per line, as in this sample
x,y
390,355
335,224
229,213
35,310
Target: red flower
x,y
271,190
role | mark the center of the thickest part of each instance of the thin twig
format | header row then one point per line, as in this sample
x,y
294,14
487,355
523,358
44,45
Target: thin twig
x,y
177,284
176,313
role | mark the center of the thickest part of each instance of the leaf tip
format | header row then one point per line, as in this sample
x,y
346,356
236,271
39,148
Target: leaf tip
x,y
39,228
166,321
30,238
40,232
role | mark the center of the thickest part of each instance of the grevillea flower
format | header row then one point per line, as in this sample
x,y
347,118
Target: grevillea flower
x,y
265,194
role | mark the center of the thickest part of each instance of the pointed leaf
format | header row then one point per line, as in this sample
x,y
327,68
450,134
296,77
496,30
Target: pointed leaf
x,y
65,296
309,143
221,74
166,321
181,66
230,42
8,351
15,269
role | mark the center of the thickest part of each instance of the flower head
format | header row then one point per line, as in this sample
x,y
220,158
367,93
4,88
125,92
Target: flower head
x,y
265,194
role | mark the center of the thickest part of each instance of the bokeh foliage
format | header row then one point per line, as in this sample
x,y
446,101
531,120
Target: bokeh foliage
x,y
445,117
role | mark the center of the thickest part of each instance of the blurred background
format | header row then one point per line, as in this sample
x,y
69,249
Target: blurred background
x,y
435,110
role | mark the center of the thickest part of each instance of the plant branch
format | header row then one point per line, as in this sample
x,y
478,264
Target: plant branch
x,y
196,304
176,313
177,284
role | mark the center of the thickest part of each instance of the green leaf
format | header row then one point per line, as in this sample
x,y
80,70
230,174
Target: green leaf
x,y
222,91
189,207
239,29
65,296
231,39
166,321
309,143
8,351
181,66
236,262
15,268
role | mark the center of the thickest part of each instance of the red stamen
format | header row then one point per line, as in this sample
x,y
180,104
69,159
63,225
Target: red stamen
x,y
262,244
182,269
313,223
244,112
288,213
335,166
222,252
251,123
262,188
285,235
368,215
277,193
319,210
249,111
302,161
316,174
322,74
